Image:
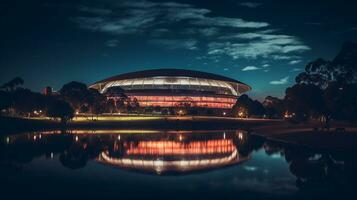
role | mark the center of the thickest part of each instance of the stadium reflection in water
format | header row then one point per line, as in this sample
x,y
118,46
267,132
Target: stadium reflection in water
x,y
178,152
137,164
147,151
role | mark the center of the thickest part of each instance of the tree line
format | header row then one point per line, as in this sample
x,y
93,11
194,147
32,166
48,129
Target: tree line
x,y
72,98
325,91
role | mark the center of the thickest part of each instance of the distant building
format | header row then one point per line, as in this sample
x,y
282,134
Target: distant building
x,y
48,91
174,87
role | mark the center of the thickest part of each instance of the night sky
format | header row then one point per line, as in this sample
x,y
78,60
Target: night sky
x,y
262,43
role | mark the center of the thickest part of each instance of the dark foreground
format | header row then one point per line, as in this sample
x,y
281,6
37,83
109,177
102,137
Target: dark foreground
x,y
148,164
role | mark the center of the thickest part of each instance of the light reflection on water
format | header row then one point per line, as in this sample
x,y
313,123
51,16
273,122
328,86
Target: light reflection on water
x,y
181,164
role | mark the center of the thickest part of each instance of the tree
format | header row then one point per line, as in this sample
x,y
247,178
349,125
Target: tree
x,y
5,101
336,80
341,101
13,84
184,106
274,107
342,69
246,107
132,104
34,101
110,106
60,109
305,100
76,94
116,95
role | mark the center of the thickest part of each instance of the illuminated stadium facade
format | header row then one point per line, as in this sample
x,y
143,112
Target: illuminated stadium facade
x,y
174,88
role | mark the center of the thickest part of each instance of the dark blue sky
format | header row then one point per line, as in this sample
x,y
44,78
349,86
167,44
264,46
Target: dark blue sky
x,y
262,43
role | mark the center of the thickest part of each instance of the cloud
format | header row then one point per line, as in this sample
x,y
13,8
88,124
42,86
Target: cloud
x,y
209,31
258,44
293,62
132,24
250,4
250,68
189,44
229,22
130,17
296,69
283,57
265,65
112,43
160,32
93,10
281,81
157,21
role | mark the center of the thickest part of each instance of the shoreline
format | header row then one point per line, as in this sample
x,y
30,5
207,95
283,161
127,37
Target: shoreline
x,y
280,131
8,124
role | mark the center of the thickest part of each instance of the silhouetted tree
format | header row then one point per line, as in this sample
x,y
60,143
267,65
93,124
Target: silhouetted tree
x,y
96,102
110,106
247,107
132,104
60,109
274,107
25,102
13,84
76,94
341,101
342,69
5,101
327,87
305,100
118,97
184,106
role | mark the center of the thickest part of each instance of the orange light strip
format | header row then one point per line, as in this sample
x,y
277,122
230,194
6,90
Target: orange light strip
x,y
172,101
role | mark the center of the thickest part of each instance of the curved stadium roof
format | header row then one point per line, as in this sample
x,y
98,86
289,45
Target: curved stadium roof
x,y
170,72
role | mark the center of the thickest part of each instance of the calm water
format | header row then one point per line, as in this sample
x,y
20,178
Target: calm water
x,y
168,165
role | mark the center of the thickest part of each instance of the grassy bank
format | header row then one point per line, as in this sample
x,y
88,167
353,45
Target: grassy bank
x,y
306,135
277,130
133,122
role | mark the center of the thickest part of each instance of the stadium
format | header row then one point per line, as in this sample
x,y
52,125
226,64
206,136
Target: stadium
x,y
174,88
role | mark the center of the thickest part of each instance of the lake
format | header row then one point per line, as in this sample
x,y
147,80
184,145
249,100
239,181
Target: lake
x,y
151,164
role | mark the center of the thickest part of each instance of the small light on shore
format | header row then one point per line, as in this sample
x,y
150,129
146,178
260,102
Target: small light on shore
x,y
118,137
240,135
76,138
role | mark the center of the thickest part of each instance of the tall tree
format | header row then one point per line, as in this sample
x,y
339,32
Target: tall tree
x,y
305,100
60,109
274,107
12,84
76,94
342,69
246,107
